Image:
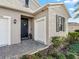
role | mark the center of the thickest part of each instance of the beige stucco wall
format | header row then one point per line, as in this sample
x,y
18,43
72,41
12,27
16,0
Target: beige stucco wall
x,y
15,31
41,14
50,14
15,28
33,4
53,11
73,27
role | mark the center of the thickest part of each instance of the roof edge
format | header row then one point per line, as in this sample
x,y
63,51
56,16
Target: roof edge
x,y
51,4
16,9
38,10
37,3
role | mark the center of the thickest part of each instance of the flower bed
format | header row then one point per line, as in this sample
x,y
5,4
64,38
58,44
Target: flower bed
x,y
62,48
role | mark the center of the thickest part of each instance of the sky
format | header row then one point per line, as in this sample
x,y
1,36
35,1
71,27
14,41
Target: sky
x,y
69,5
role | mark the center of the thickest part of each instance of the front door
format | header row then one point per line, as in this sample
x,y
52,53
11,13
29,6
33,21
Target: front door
x,y
24,28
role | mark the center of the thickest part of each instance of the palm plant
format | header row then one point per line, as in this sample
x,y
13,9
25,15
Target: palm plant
x,y
77,10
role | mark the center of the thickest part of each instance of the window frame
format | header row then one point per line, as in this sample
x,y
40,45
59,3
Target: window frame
x,y
60,23
27,3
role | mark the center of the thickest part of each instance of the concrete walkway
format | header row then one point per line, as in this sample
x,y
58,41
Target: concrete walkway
x,y
26,47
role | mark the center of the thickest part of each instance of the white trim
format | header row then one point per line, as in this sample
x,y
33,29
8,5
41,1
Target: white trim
x,y
36,2
9,20
40,49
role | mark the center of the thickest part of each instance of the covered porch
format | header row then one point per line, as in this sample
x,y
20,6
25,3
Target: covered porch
x,y
25,47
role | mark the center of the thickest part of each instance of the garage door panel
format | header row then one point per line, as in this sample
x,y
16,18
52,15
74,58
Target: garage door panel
x,y
40,30
4,32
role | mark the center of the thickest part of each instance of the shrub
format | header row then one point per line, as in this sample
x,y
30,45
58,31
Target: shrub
x,y
72,37
49,57
54,54
37,56
71,56
61,56
24,57
57,41
76,30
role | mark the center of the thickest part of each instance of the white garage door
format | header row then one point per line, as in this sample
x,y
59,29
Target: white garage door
x,y
40,30
4,31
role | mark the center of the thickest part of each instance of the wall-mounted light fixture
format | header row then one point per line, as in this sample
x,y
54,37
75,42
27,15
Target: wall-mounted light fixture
x,y
15,21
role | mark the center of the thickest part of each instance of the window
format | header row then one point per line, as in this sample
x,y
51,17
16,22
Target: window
x,y
60,23
26,3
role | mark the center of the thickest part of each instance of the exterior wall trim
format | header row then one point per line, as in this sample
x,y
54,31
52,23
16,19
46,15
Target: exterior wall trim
x,y
37,2
15,9
38,10
50,4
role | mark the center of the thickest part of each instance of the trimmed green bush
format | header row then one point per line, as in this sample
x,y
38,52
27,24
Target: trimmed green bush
x,y
72,37
71,56
61,56
57,41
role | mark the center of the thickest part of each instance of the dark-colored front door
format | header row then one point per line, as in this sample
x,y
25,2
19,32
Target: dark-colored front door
x,y
24,28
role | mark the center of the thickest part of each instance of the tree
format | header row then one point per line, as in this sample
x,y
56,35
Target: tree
x,y
76,12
